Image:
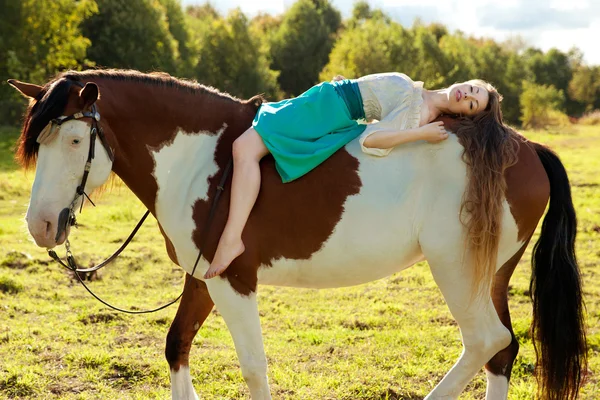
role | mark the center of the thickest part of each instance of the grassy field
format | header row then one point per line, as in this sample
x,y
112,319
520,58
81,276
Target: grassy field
x,y
390,339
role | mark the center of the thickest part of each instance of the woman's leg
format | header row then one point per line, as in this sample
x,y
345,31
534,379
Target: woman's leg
x,y
248,150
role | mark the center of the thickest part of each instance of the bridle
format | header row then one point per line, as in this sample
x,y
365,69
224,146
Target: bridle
x,y
67,216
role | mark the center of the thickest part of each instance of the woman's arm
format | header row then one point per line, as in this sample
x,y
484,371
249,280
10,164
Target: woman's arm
x,y
380,142
387,138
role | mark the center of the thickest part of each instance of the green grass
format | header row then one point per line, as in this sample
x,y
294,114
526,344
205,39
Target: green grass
x,y
390,339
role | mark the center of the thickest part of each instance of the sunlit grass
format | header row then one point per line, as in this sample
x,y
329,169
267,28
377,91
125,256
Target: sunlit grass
x,y
390,339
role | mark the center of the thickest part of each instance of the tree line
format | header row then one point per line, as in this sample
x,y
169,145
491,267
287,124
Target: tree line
x,y
281,55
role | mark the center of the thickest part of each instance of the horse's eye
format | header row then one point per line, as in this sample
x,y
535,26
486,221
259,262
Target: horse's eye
x,y
75,141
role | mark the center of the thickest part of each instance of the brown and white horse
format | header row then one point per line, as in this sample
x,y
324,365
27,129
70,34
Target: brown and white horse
x,y
354,219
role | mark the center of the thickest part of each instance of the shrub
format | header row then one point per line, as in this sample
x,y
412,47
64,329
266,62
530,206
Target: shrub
x,y
590,118
541,106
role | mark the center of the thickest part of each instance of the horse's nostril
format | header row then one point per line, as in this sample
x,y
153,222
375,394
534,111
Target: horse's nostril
x,y
48,229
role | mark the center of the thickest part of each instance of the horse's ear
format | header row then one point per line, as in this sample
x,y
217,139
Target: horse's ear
x,y
89,94
27,89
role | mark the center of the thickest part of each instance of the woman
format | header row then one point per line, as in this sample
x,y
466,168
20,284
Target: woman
x,y
304,131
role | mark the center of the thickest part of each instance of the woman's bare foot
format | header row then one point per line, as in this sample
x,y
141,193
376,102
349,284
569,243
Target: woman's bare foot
x,y
227,251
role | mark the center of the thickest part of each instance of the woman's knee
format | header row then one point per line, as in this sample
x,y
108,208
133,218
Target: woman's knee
x,y
249,147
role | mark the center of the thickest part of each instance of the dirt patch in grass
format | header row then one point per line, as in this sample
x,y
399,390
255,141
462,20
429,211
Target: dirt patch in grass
x,y
9,285
443,321
17,260
101,317
15,385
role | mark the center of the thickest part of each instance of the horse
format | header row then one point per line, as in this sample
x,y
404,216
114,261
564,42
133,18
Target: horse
x,y
352,220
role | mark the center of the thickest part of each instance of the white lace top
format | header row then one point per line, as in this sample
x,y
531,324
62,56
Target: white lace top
x,y
394,100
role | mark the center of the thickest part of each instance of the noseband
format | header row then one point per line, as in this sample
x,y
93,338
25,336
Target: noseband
x,y
67,216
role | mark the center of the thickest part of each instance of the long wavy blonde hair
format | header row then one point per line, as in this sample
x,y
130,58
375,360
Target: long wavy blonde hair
x,y
490,148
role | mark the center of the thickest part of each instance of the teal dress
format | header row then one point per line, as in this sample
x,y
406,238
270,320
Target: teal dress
x,y
304,131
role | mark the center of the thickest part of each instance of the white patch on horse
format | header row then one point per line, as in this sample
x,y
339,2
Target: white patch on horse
x,y
497,387
182,170
181,384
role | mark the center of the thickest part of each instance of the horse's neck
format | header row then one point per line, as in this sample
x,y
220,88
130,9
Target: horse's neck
x,y
143,119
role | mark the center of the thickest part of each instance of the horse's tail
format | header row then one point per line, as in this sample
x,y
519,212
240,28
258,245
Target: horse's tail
x,y
558,324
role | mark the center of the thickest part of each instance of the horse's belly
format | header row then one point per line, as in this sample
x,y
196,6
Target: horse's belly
x,y
376,236
331,268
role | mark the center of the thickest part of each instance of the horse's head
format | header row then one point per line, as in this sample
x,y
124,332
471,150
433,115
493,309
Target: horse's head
x,y
59,134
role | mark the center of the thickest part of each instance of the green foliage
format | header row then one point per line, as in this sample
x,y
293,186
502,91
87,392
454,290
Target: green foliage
x,y
551,68
301,46
590,118
231,59
362,11
430,65
585,86
541,106
180,32
37,39
199,21
354,54
131,34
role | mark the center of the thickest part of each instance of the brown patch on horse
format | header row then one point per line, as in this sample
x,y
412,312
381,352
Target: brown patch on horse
x,y
291,220
528,188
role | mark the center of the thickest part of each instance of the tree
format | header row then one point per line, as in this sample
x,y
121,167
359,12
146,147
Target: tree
x,y
551,68
230,59
461,56
39,38
180,32
354,54
131,34
431,63
585,87
541,105
300,48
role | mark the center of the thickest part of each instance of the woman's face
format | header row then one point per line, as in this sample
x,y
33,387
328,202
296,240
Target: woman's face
x,y
467,98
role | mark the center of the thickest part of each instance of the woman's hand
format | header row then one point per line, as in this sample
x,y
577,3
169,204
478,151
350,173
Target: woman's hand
x,y
433,132
338,78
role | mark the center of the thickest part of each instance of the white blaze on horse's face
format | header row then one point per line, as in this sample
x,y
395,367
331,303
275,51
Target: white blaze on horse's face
x,y
60,166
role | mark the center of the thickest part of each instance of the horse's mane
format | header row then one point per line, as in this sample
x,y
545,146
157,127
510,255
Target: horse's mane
x,y
52,100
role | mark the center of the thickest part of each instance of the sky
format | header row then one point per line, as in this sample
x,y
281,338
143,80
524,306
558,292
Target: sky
x,y
544,24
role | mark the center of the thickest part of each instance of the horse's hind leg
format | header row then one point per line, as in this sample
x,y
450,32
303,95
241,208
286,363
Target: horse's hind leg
x,y
483,334
194,307
498,369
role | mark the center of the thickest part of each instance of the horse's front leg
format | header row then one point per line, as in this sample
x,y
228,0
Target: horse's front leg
x,y
241,316
193,309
